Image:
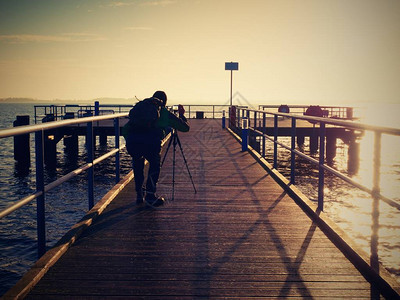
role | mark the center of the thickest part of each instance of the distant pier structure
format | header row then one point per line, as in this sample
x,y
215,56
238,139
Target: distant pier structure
x,y
308,129
69,134
104,129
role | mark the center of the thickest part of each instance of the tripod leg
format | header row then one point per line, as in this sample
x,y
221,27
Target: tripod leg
x,y
173,167
186,164
166,152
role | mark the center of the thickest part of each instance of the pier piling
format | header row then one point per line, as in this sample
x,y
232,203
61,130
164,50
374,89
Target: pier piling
x,y
22,145
330,148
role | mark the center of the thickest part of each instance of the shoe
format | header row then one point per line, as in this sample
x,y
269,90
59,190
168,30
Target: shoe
x,y
153,200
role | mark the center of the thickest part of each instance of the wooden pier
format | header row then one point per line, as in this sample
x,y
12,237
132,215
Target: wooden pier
x,y
241,236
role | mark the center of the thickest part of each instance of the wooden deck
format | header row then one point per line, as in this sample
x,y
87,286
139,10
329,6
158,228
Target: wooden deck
x,y
240,236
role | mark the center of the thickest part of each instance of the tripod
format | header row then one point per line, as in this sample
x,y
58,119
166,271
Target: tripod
x,y
175,141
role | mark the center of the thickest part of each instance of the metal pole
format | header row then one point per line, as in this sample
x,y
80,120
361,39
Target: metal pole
x,y
275,141
41,220
231,85
321,177
374,258
245,133
96,108
117,162
255,120
293,155
377,163
264,133
89,145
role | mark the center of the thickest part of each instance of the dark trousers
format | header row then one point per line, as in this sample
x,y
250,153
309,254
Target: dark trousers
x,y
150,152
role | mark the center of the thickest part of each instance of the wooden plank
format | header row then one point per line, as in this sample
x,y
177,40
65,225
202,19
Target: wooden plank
x,y
240,236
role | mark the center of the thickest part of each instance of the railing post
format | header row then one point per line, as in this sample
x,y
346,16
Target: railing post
x,y
90,150
245,133
377,163
275,141
96,108
117,155
321,176
293,155
264,131
41,217
374,258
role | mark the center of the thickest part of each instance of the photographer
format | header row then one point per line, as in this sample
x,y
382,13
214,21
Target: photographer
x,y
143,141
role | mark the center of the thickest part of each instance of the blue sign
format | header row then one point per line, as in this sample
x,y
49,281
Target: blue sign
x,y
233,66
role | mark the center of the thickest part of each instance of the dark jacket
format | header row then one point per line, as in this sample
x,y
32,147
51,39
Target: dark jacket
x,y
166,121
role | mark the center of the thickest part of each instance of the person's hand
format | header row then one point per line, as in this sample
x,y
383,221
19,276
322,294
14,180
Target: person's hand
x,y
181,110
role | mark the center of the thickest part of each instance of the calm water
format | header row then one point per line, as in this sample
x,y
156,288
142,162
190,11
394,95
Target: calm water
x,y
348,207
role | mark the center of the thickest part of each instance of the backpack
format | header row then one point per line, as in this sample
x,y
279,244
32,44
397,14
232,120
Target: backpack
x,y
145,114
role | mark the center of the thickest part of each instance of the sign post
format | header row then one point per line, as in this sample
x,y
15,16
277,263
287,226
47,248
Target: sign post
x,y
231,66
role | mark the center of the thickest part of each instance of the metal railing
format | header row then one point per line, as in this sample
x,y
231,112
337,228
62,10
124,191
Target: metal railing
x,y
44,113
255,117
41,188
246,121
206,111
336,112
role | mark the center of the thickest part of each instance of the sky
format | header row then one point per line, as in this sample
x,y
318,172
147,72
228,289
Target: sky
x,y
330,52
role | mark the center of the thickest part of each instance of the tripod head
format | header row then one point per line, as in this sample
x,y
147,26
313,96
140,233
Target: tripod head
x,y
174,133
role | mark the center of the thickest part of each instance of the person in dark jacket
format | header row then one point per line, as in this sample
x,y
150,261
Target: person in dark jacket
x,y
143,145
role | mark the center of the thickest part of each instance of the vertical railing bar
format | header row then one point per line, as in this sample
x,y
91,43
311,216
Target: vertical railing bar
x,y
245,134
41,217
321,176
377,162
275,141
90,150
264,133
255,120
293,155
117,155
374,258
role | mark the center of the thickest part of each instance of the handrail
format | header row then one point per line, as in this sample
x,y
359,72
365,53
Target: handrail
x,y
342,123
58,111
41,189
55,124
379,130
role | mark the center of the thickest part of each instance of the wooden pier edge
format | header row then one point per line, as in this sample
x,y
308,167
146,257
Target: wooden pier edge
x,y
382,279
